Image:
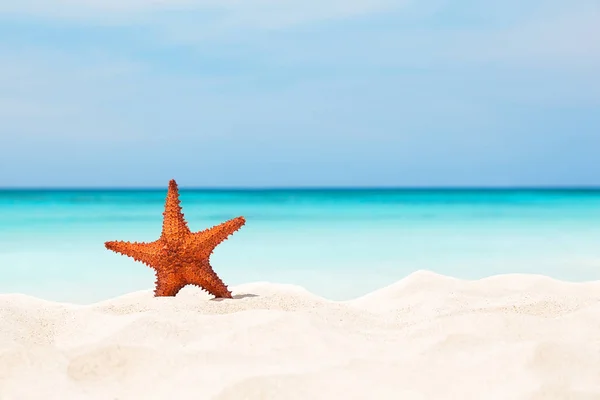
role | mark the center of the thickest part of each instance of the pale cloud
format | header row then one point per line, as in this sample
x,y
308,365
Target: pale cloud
x,y
552,38
565,38
53,93
63,93
70,96
279,14
230,13
547,34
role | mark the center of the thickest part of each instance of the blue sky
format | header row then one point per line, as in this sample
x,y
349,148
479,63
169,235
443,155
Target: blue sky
x,y
299,93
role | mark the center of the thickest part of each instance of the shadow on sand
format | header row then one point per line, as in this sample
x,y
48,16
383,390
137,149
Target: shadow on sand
x,y
236,297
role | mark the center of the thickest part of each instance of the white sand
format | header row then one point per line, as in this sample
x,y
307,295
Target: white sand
x,y
426,337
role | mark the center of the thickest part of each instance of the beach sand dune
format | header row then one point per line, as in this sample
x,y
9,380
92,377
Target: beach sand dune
x,y
424,337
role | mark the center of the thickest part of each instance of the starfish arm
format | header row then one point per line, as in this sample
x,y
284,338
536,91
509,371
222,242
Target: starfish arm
x,y
146,253
174,224
208,280
210,238
168,284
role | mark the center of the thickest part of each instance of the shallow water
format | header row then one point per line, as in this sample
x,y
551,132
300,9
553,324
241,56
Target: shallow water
x,y
337,243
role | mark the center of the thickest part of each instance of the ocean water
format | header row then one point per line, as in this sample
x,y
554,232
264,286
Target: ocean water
x,y
339,244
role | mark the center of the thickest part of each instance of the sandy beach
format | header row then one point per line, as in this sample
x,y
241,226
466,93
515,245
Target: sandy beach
x,y
424,337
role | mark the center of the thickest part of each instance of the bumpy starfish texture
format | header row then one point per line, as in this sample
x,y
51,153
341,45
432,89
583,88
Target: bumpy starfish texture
x,y
180,257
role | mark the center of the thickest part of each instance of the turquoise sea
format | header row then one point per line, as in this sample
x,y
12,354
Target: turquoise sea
x,y
336,243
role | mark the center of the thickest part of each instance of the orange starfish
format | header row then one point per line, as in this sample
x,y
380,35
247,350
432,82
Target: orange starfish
x,y
179,256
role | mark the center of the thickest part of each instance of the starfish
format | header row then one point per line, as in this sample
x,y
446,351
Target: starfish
x,y
180,257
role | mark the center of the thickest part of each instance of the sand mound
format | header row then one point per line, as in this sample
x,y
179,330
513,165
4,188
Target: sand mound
x,y
425,337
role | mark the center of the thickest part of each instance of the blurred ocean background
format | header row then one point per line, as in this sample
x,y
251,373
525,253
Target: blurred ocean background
x,y
339,244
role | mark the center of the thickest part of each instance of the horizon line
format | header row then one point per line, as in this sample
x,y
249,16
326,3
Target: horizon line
x,y
297,188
